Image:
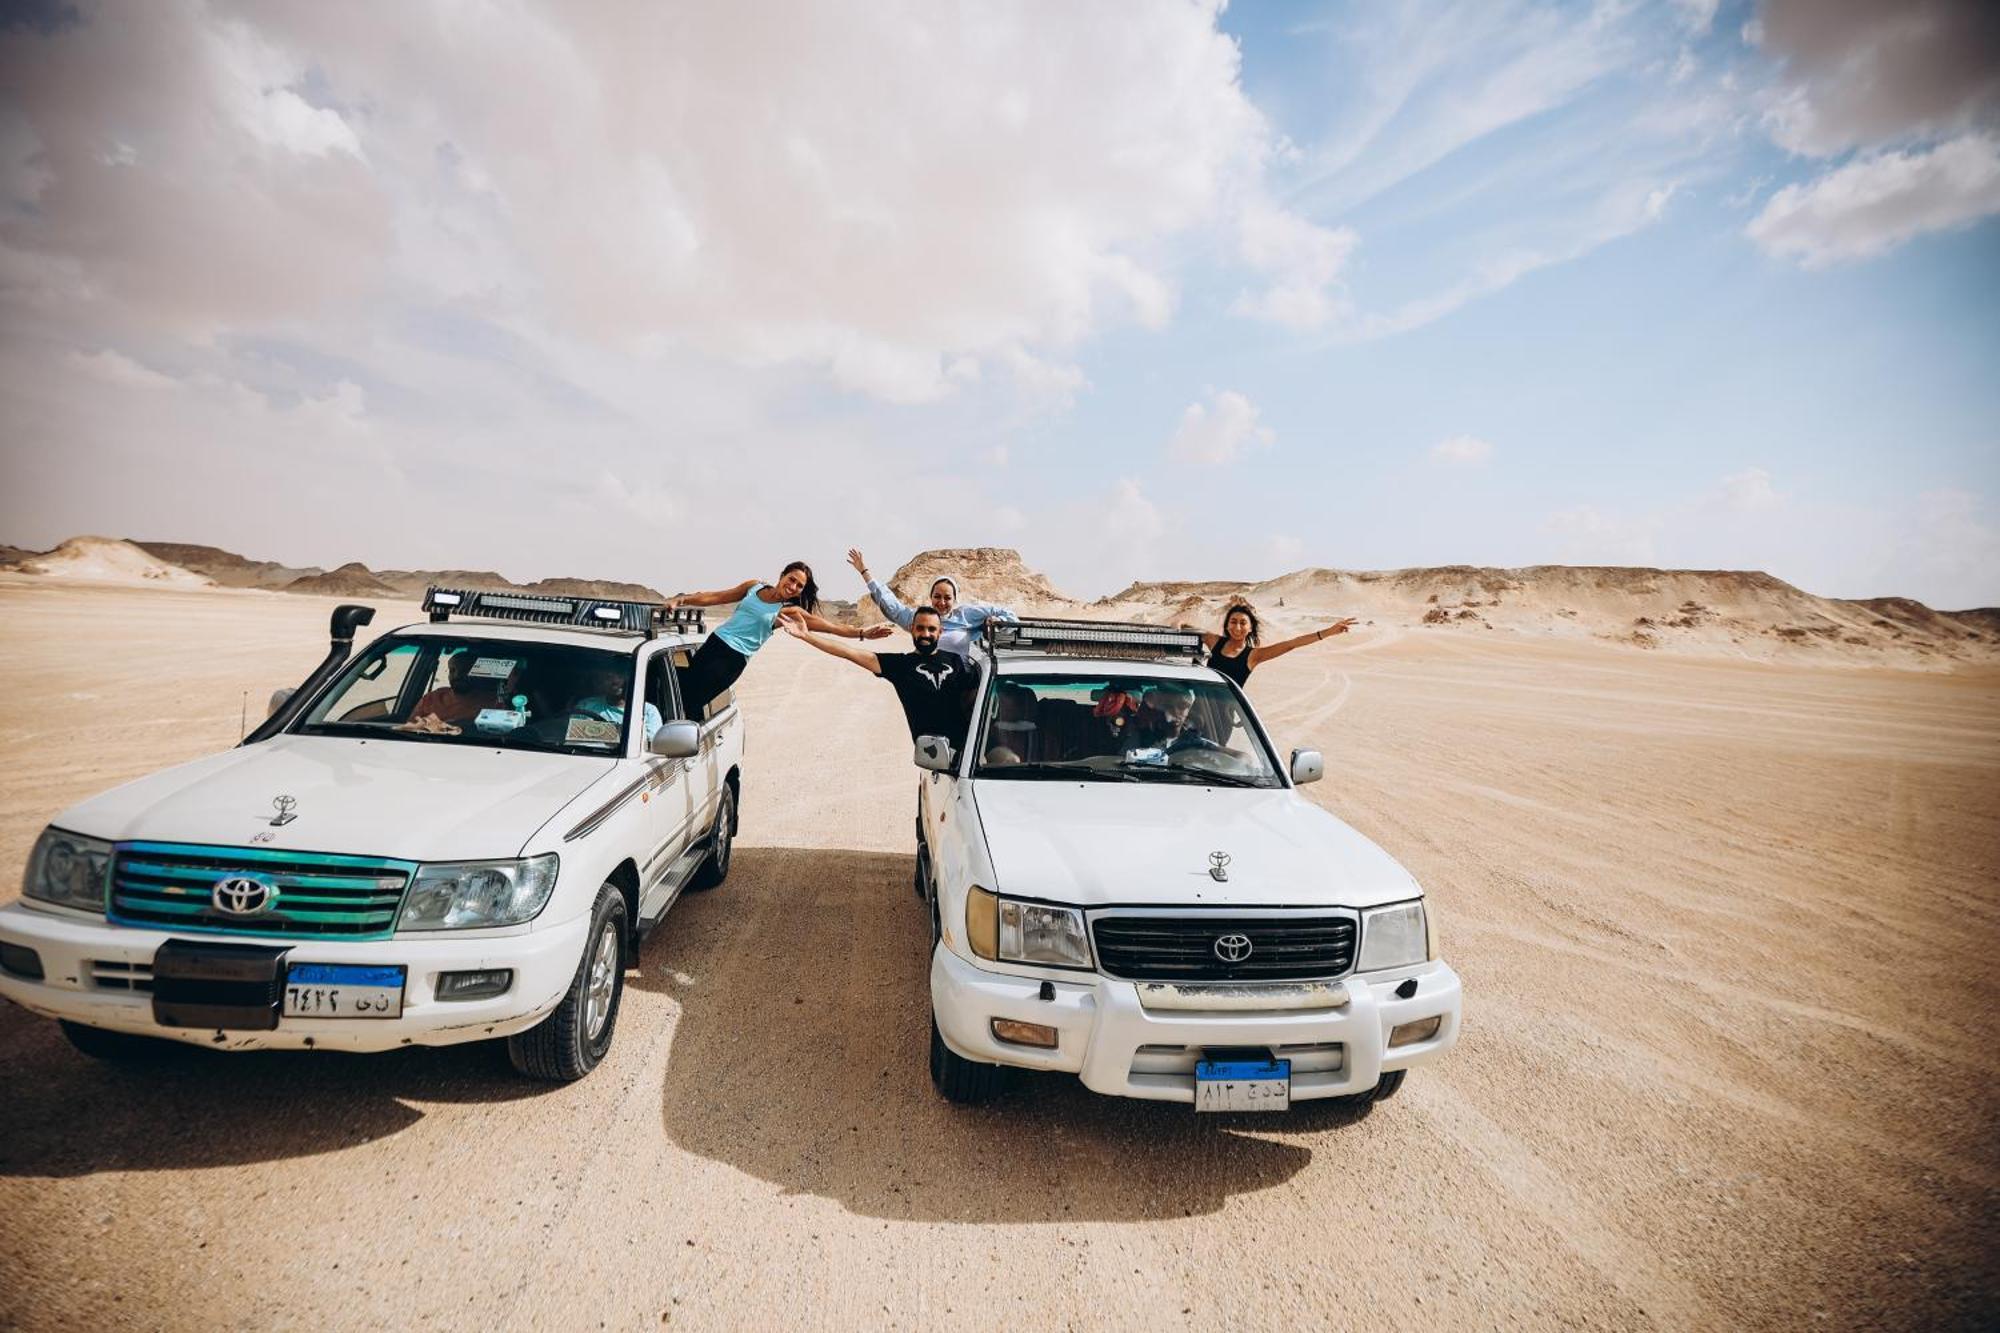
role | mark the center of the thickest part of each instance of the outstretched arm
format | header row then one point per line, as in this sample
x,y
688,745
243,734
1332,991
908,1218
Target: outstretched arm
x,y
1259,656
861,657
978,613
720,597
820,623
1208,639
885,596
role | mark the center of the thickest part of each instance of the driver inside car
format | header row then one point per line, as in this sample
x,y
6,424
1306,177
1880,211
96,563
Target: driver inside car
x,y
1162,722
606,701
463,698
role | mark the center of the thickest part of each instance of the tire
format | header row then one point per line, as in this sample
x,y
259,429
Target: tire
x,y
716,868
569,1043
923,860
117,1047
958,1080
1384,1089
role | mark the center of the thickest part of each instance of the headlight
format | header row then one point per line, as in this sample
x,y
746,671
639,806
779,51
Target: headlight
x,y
478,893
1015,932
68,870
1393,937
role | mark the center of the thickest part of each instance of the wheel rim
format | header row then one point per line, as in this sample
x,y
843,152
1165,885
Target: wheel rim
x,y
602,983
724,818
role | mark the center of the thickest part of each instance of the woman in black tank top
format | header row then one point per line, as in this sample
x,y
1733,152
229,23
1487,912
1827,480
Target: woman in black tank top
x,y
1235,652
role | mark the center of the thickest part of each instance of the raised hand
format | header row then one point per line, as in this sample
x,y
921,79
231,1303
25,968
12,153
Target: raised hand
x,y
855,558
793,625
1338,627
878,631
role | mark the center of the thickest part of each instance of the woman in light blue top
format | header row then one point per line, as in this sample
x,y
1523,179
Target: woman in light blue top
x,y
723,655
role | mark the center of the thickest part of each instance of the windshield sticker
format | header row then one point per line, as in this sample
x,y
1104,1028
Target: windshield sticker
x,y
500,719
493,668
1151,754
590,731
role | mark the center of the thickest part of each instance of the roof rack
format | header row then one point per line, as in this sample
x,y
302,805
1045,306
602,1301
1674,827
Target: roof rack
x,y
1094,638
600,613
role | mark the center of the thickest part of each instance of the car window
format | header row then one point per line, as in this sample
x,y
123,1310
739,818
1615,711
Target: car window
x,y
1120,728
495,692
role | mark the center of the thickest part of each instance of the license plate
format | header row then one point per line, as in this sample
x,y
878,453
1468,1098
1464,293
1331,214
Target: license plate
x,y
1243,1085
343,990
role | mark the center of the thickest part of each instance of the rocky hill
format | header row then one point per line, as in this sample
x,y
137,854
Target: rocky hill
x,y
1716,612
983,573
1727,612
106,560
352,579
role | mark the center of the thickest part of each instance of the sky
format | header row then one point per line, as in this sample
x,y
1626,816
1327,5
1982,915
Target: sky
x,y
1154,290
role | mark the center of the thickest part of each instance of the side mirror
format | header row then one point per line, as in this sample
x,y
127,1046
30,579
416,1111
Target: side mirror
x,y
1307,766
278,700
935,754
676,740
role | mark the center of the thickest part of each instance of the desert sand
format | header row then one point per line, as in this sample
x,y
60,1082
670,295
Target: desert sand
x,y
1726,929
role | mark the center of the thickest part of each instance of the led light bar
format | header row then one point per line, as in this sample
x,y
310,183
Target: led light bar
x,y
1094,638
647,618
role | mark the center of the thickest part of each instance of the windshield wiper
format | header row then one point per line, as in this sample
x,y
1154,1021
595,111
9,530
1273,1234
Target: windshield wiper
x,y
1058,772
1180,772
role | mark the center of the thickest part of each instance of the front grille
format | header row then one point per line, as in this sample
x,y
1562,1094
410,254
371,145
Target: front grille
x,y
1182,948
172,885
115,974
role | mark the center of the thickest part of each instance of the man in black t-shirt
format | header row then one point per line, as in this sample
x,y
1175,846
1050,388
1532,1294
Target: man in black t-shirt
x,y
935,687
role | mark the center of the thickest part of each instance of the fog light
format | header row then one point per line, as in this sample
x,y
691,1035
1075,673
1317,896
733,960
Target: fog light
x,y
474,985
1404,1034
21,962
1025,1034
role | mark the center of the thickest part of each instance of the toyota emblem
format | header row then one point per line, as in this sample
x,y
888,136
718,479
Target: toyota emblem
x,y
1218,867
240,895
1232,948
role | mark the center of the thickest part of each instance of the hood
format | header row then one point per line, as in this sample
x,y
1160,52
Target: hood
x,y
1096,844
406,799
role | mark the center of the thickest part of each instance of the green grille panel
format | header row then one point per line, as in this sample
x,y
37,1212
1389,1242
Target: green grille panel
x,y
317,894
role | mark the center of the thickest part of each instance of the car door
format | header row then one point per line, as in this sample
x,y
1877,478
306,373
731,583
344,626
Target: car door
x,y
668,800
937,793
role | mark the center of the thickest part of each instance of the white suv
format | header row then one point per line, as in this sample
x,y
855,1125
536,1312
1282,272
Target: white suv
x,y
458,835
1125,885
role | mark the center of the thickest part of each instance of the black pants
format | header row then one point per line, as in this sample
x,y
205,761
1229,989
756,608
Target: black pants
x,y
713,669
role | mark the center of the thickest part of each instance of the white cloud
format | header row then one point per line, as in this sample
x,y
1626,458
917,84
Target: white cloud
x,y
1750,491
1952,546
997,456
891,196
1303,261
1861,74
1698,16
1462,451
1588,535
1219,431
114,367
1876,203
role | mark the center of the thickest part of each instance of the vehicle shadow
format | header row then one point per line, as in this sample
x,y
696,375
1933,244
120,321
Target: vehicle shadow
x,y
66,1114
800,1057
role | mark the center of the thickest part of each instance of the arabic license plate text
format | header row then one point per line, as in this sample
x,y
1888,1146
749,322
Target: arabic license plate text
x,y
1243,1085
343,990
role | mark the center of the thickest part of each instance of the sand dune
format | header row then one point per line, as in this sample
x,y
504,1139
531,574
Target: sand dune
x,y
1726,930
107,560
1714,613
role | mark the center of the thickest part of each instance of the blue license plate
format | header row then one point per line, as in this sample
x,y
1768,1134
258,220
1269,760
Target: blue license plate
x,y
343,990
1242,1085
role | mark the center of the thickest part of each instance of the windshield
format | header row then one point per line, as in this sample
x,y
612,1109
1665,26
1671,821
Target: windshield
x,y
1127,728
490,692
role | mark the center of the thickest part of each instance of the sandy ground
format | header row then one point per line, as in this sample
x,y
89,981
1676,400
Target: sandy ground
x,y
1726,932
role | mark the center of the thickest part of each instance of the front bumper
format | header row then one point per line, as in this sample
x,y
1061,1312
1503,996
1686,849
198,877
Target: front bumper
x,y
1119,1047
92,971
